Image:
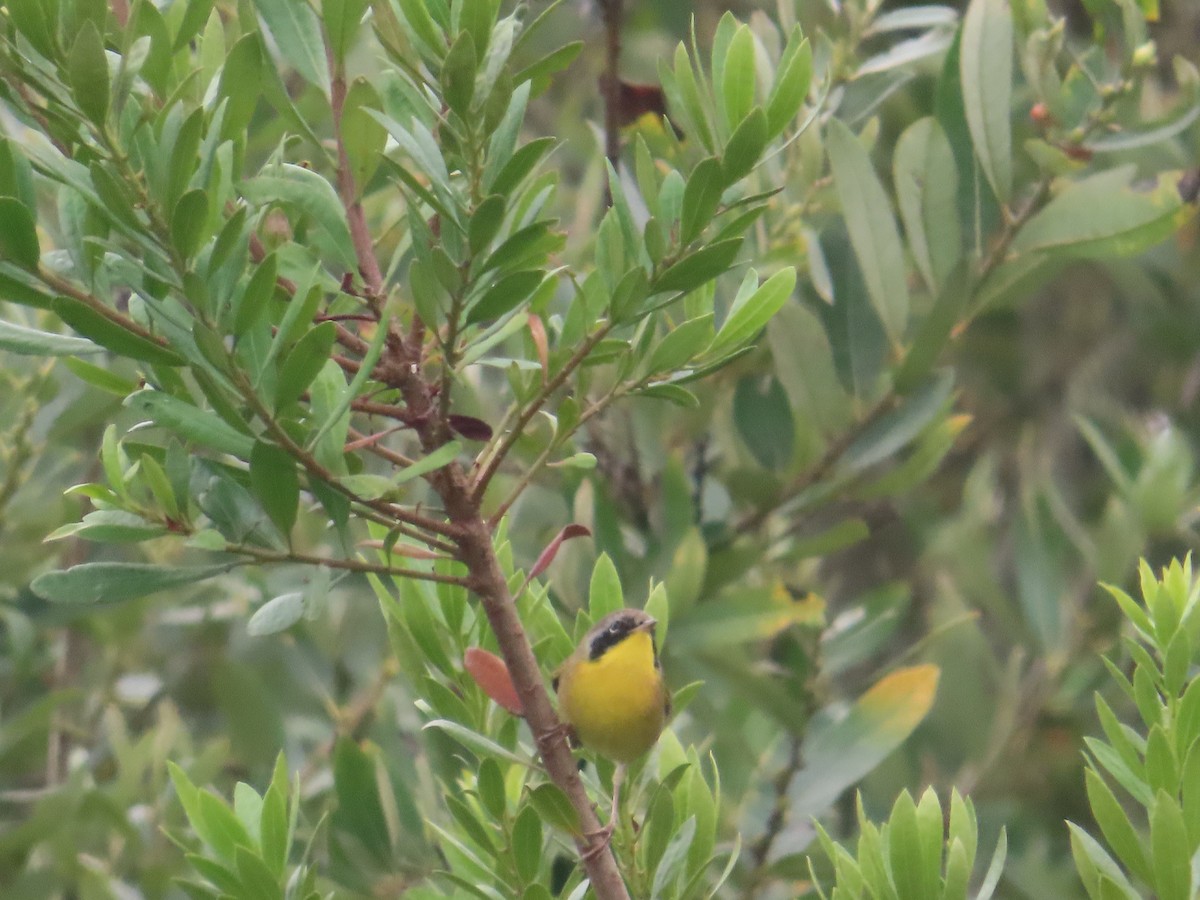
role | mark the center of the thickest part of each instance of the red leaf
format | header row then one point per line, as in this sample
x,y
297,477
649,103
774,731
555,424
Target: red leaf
x,y
471,428
543,562
491,674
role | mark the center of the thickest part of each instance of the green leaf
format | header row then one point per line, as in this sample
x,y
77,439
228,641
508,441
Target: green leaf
x,y
255,299
672,393
189,222
750,313
243,66
1170,849
986,61
367,486
915,878
87,67
739,77
792,79
489,782
303,363
477,743
309,193
697,268
701,196
297,32
17,289
109,582
527,843
342,19
31,342
100,377
110,335
113,526
458,74
930,828
523,161
277,614
995,868
442,456
897,429
505,295
764,420
485,223
745,146
539,73
195,424
1103,216
958,872
362,134
416,13
1116,827
30,17
681,87
1131,139
359,810
838,752
927,191
673,860
18,234
258,880
680,345
872,228
274,481
554,808
604,591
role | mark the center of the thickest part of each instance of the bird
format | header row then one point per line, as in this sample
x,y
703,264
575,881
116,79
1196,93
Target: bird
x,y
612,696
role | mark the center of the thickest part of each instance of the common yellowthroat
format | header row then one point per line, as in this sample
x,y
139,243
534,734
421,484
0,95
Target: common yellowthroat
x,y
611,691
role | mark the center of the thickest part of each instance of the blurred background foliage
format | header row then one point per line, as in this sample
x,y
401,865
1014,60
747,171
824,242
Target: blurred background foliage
x,y
1062,448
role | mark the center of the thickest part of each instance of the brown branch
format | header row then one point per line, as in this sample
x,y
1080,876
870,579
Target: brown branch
x,y
388,410
490,585
468,529
476,551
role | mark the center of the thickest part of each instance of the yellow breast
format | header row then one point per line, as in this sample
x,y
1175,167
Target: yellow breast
x,y
617,703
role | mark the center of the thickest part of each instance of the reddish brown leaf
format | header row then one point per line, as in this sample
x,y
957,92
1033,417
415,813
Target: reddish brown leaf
x,y
543,562
490,673
636,100
471,428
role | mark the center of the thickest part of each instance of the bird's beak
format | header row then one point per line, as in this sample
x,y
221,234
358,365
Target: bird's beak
x,y
648,625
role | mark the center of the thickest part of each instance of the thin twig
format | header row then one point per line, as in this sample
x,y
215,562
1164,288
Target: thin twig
x,y
317,470
62,286
753,521
761,848
349,565
360,235
538,464
504,444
